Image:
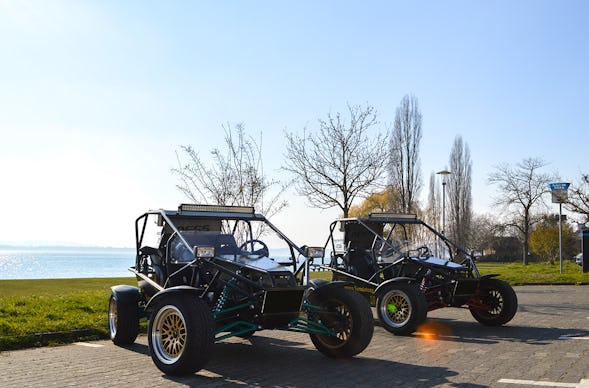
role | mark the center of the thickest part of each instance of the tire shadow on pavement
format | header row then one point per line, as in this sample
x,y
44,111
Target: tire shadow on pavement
x,y
137,348
267,361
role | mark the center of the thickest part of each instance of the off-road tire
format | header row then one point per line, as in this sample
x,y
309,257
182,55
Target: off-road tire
x,y
401,308
123,320
348,314
181,334
500,297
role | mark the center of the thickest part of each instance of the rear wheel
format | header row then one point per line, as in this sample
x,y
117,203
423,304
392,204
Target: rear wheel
x,y
348,315
401,307
123,320
498,300
181,335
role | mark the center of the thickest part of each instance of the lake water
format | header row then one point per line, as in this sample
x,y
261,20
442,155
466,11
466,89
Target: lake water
x,y
71,262
65,262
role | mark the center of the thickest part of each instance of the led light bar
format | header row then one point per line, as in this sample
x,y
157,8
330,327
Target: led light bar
x,y
401,216
187,207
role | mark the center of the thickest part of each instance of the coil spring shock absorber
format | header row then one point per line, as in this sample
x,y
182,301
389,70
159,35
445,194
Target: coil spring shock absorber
x,y
225,295
423,283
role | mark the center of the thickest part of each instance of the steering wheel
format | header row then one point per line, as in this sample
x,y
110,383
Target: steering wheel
x,y
423,251
260,252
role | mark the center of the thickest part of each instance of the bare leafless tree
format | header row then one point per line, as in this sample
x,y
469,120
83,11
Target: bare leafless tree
x,y
338,163
578,201
521,191
433,210
484,232
404,164
460,193
234,176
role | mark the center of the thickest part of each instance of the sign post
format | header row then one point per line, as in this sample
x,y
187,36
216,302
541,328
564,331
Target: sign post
x,y
560,192
585,248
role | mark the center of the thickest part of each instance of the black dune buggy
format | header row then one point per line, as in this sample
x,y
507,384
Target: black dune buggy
x,y
203,277
404,280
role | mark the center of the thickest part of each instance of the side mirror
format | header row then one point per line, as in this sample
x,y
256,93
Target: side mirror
x,y
340,247
204,252
314,252
476,253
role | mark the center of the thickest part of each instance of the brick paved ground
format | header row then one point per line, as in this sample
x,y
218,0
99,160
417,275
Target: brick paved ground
x,y
546,344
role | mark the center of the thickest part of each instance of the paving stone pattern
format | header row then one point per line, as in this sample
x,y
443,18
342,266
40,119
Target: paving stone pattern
x,y
547,343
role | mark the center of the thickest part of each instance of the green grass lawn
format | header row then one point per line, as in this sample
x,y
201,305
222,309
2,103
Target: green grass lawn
x,y
543,273
41,312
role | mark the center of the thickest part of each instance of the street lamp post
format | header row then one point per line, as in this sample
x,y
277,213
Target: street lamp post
x,y
444,174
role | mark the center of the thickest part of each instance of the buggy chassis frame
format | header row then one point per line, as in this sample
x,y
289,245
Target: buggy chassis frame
x,y
375,282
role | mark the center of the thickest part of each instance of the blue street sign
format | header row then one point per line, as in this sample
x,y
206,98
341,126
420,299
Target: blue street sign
x,y
559,186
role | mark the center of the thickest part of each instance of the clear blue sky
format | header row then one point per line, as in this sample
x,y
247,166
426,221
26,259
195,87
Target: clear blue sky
x,y
97,96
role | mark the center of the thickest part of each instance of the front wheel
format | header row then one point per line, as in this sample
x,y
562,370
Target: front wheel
x,y
123,320
401,307
348,315
497,303
181,335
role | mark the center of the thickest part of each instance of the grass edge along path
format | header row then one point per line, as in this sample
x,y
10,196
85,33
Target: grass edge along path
x,y
55,311
52,311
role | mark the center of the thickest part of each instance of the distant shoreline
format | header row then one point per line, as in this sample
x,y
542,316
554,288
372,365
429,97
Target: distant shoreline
x,y
54,261
68,247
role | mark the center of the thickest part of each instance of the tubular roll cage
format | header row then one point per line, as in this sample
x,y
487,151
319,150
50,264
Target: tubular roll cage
x,y
230,213
395,219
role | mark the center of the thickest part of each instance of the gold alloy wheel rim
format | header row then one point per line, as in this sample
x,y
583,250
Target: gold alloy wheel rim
x,y
342,325
345,332
396,308
497,302
169,334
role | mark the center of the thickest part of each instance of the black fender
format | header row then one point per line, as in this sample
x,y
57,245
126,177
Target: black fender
x,y
171,292
318,284
488,276
400,279
126,294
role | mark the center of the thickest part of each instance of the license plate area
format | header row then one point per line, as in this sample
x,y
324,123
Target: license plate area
x,y
283,300
466,287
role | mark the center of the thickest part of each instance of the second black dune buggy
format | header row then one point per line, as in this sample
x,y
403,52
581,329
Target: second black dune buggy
x,y
406,268
204,276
